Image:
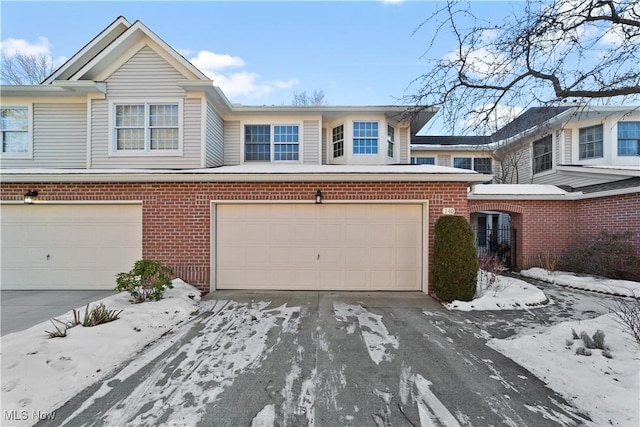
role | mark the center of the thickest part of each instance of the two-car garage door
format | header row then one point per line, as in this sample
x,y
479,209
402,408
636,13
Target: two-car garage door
x,y
68,246
319,246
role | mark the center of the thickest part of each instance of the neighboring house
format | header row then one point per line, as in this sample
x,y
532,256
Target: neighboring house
x,y
572,146
465,152
129,151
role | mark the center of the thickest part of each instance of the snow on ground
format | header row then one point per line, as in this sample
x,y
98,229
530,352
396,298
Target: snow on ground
x,y
607,389
624,288
41,373
506,293
375,335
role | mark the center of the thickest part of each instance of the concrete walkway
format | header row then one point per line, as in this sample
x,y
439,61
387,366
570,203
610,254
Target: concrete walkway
x,y
24,309
323,359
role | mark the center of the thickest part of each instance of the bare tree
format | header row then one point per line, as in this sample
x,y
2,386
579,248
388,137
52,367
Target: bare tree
x,y
544,53
25,69
316,98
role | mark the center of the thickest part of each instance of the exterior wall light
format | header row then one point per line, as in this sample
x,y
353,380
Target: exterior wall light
x,y
318,197
30,196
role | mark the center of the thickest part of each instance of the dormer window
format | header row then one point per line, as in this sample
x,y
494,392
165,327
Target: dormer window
x,y
265,143
365,137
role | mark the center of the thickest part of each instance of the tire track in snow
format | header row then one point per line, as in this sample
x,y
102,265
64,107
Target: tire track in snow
x,y
191,372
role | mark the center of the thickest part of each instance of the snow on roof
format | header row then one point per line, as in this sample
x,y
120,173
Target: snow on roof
x,y
518,189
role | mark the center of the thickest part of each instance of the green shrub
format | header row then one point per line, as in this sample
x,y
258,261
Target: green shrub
x,y
455,265
148,280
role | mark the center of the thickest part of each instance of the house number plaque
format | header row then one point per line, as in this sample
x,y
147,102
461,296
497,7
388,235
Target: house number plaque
x,y
448,211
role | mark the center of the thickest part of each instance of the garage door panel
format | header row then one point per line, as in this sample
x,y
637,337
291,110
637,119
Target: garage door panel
x,y
68,246
309,246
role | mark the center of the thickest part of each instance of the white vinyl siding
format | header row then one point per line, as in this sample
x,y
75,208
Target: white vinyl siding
x,y
59,137
444,160
214,138
567,146
324,146
403,140
231,143
311,142
144,78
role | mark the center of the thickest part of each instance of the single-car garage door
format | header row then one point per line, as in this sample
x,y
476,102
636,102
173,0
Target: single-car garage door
x,y
324,246
68,246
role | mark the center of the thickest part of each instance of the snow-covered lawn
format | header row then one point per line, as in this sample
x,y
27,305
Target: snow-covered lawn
x,y
41,373
623,288
608,389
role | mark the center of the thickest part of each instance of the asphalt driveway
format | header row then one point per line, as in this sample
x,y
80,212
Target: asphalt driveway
x,y
24,309
324,359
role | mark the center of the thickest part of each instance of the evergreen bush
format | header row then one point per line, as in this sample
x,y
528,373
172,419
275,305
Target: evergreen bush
x,y
455,264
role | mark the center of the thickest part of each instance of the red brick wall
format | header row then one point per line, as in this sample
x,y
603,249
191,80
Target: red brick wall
x,y
553,226
176,216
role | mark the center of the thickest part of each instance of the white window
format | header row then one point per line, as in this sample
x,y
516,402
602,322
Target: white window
x,y
147,127
264,143
423,160
14,129
337,140
590,142
391,138
628,138
365,137
543,154
478,164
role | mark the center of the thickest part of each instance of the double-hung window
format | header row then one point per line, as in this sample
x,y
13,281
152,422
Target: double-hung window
x,y
14,128
542,154
365,137
391,139
462,162
264,143
337,140
628,138
590,143
146,127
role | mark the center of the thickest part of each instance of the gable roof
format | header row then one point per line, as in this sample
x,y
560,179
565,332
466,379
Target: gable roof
x,y
90,50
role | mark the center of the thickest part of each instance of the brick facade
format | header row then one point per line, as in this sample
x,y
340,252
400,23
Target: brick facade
x,y
553,226
176,216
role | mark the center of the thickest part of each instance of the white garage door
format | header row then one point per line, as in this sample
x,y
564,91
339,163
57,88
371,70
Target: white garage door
x,y
68,246
327,246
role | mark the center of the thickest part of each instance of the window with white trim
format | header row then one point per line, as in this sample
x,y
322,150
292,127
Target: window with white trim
x,y
628,138
478,164
590,145
265,143
146,127
365,137
14,128
337,140
391,138
423,160
543,154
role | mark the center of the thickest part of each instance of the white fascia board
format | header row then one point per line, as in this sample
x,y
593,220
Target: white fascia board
x,y
578,195
91,49
480,149
58,88
212,92
595,170
195,176
136,32
551,123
